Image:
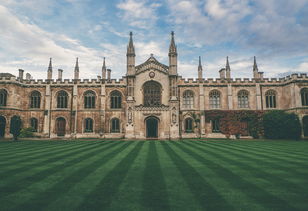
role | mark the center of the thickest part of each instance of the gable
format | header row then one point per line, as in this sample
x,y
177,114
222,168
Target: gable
x,y
152,63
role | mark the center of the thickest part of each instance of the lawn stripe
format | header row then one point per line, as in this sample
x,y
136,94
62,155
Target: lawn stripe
x,y
101,197
47,157
201,189
293,163
154,194
37,171
79,168
257,193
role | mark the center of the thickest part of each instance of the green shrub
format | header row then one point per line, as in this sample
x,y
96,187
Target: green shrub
x,y
281,125
27,132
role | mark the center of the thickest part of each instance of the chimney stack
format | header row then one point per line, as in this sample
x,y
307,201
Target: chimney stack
x,y
60,72
21,74
108,74
222,73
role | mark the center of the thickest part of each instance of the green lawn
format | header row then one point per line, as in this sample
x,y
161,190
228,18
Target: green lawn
x,y
154,175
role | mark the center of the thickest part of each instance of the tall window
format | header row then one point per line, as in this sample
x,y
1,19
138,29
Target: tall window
x,y
34,124
270,98
215,99
304,95
243,100
35,99
215,126
89,99
115,125
115,99
3,97
62,99
151,94
188,125
188,99
88,125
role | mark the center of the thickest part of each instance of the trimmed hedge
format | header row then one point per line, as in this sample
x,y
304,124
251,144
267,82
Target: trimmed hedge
x,y
281,125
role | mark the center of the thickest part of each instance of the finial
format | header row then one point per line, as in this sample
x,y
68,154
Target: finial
x,y
50,64
152,55
131,34
77,66
172,33
104,64
199,60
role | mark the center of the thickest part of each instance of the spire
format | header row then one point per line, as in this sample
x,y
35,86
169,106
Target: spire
x,y
104,70
255,66
172,47
199,66
130,47
227,64
76,72
50,65
228,69
49,71
200,70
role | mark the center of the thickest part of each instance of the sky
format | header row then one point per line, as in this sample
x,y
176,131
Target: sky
x,y
275,31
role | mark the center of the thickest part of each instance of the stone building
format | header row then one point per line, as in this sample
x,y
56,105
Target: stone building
x,y
151,101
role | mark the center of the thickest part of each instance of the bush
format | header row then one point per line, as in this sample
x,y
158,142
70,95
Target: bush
x,y
281,125
15,126
27,132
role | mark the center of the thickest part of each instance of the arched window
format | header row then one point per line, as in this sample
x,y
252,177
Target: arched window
x,y
151,94
215,99
270,98
88,125
35,99
188,99
243,100
115,125
89,99
62,99
188,125
34,124
304,95
115,99
3,97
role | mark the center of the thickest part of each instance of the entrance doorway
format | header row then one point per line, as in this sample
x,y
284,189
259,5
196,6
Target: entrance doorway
x,y
151,127
2,126
60,126
305,126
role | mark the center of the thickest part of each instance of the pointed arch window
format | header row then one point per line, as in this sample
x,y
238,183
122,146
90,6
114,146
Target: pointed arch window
x,y
188,125
115,125
270,98
304,96
35,99
215,99
34,124
88,125
3,97
89,99
115,99
62,99
151,94
188,99
243,99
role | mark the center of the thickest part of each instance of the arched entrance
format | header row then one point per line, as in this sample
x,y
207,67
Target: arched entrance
x,y
305,126
2,126
151,127
60,126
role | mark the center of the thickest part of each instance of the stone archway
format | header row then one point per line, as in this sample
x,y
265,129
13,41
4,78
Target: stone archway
x,y
60,126
151,127
2,126
305,126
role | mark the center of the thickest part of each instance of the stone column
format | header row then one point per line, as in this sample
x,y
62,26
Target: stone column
x,y
258,97
230,97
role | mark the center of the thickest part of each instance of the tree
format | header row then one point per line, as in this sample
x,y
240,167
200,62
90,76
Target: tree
x,y
15,126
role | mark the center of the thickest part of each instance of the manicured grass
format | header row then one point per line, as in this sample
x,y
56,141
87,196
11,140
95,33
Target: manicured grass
x,y
154,175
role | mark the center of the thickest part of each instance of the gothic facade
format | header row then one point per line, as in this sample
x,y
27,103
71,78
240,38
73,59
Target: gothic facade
x,y
150,101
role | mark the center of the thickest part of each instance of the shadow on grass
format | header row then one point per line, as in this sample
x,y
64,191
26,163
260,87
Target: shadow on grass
x,y
101,197
154,194
204,193
254,192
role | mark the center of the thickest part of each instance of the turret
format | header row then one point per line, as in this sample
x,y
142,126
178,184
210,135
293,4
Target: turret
x,y
104,70
49,71
76,71
130,56
228,69
200,71
172,56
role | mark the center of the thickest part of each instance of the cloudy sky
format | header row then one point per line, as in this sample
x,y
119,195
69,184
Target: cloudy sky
x,y
275,31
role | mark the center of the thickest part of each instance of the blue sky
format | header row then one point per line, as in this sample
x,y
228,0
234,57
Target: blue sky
x,y
275,31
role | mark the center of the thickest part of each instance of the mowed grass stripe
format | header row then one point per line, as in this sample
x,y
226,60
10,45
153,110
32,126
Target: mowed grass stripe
x,y
154,194
101,197
40,170
72,172
28,163
252,188
268,158
20,157
205,194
